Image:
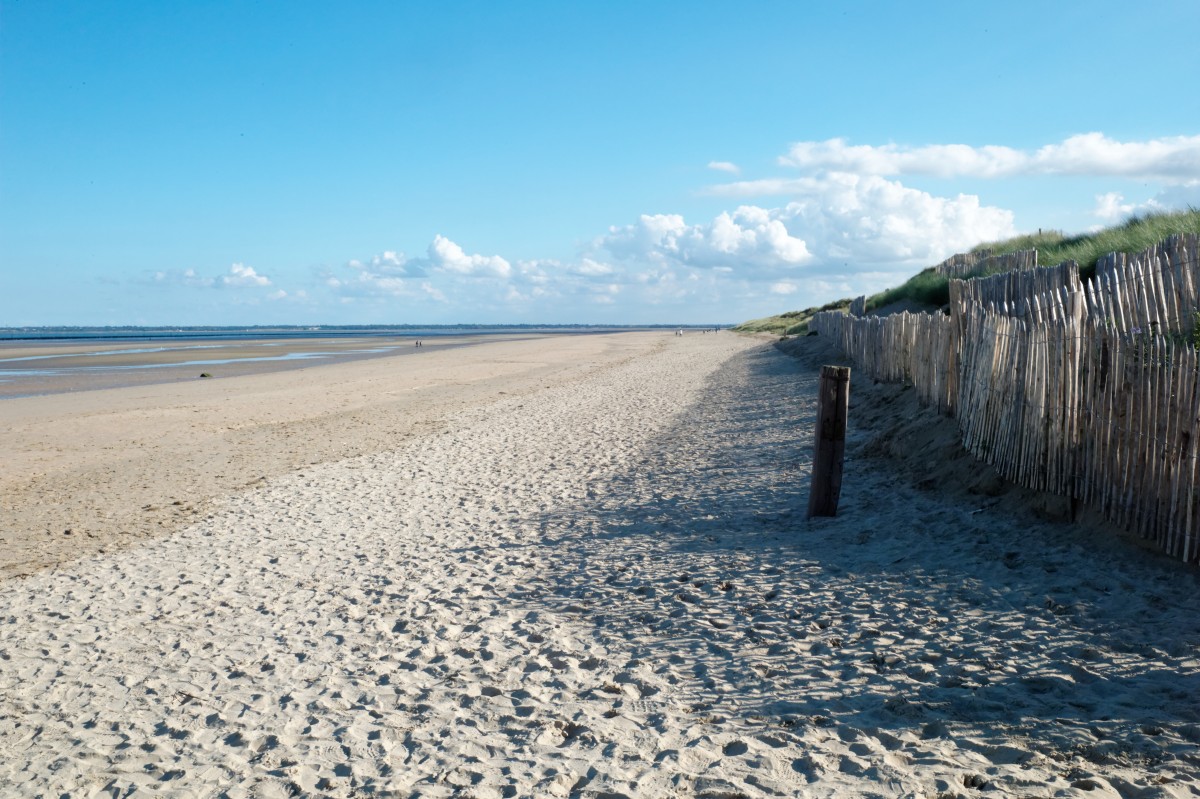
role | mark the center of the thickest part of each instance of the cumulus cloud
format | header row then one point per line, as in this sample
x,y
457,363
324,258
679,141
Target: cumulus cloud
x,y
848,225
1111,206
725,166
446,256
241,275
832,220
390,263
750,237
1174,159
1171,159
588,267
393,274
871,220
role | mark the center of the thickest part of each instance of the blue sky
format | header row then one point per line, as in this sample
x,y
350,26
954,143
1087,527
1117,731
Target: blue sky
x,y
607,162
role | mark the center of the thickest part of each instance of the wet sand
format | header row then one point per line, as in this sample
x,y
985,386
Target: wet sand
x,y
36,368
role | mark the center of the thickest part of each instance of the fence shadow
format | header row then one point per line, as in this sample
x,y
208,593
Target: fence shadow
x,y
909,618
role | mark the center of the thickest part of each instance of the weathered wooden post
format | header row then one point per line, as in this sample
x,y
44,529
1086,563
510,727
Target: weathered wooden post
x,y
833,403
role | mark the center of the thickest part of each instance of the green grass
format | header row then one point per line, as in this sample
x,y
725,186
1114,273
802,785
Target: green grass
x,y
791,323
928,289
1132,236
924,288
1042,241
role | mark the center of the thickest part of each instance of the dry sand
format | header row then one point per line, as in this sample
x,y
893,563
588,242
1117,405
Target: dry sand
x,y
598,583
93,471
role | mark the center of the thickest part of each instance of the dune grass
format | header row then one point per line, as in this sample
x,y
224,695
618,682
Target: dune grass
x,y
931,290
1133,235
926,287
791,323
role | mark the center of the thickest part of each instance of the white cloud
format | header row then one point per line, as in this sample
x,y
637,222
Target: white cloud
x,y
762,187
835,155
848,226
605,294
870,220
725,166
1174,159
391,274
389,262
1112,207
1171,159
832,220
591,268
446,256
749,238
241,275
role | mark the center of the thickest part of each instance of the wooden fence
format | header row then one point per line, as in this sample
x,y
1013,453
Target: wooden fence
x,y
961,264
1155,291
984,263
902,347
1016,289
1069,389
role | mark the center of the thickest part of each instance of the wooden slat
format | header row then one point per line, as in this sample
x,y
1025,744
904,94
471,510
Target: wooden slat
x,y
1052,386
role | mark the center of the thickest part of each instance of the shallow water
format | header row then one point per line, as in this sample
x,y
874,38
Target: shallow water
x,y
39,361
39,368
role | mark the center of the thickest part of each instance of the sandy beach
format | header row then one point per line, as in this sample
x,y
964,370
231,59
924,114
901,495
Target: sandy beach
x,y
568,566
93,470
35,367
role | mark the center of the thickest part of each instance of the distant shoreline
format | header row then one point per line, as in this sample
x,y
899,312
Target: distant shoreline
x,y
36,367
218,332
40,367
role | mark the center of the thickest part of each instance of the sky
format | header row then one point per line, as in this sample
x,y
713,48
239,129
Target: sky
x,y
236,163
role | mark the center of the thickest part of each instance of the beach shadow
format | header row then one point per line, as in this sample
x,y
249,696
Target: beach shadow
x,y
907,619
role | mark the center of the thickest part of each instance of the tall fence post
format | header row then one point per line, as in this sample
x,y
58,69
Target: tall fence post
x,y
833,403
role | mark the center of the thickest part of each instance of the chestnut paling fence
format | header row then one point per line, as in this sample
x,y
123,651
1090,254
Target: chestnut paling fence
x,y
975,263
1088,390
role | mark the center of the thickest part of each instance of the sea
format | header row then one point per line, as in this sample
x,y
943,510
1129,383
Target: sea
x,y
37,361
296,331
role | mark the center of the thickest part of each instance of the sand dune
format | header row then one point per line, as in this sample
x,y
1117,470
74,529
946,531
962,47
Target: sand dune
x,y
601,583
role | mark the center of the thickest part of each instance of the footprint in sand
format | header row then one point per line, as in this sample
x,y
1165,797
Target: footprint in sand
x,y
735,749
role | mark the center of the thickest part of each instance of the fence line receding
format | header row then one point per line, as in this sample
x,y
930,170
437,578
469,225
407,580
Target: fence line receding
x,y
1087,390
